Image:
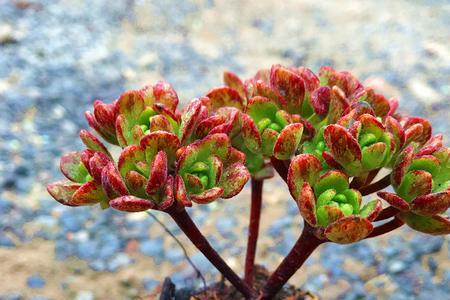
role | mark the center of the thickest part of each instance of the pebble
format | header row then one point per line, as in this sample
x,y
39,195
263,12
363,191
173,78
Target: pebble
x,y
396,266
35,282
152,248
85,295
12,296
149,284
5,206
6,242
119,261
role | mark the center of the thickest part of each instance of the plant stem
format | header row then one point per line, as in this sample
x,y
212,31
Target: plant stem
x,y
253,229
280,167
359,182
376,186
385,228
387,213
184,221
305,245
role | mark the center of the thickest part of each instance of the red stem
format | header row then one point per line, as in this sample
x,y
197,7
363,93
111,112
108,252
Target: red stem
x,y
376,186
253,229
280,167
385,228
186,224
359,182
302,249
387,213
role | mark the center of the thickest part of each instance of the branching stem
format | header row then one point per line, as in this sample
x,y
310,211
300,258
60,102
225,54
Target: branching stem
x,y
253,229
280,167
376,186
303,248
385,228
184,221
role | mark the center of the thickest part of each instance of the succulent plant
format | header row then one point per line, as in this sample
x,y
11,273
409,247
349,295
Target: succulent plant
x,y
327,135
327,203
422,187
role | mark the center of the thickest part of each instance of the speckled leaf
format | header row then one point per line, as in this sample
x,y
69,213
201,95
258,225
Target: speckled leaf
x,y
338,104
233,81
327,214
371,210
235,156
71,166
103,120
415,183
331,162
93,142
413,133
373,156
96,164
233,180
288,141
160,140
158,174
331,180
216,144
306,202
136,183
205,126
435,225
348,230
426,129
431,146
160,122
394,127
268,139
427,163
215,169
131,204
189,119
63,191
320,100
401,166
259,108
207,196
224,96
262,89
160,92
378,102
394,200
130,105
344,148
128,159
168,197
112,182
290,85
250,134
89,193
431,204
303,167
180,192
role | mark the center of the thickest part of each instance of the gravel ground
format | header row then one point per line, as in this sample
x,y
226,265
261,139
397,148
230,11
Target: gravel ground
x,y
56,57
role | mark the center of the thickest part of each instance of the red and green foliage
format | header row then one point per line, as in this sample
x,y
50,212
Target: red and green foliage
x,y
327,135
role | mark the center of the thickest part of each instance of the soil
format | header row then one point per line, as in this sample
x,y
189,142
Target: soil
x,y
225,291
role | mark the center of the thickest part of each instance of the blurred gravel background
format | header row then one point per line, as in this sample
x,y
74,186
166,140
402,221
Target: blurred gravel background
x,y
56,57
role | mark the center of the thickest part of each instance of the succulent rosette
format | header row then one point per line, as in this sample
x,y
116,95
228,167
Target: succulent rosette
x,y
84,171
145,170
328,204
136,113
272,125
211,168
422,187
366,145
